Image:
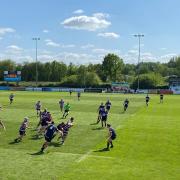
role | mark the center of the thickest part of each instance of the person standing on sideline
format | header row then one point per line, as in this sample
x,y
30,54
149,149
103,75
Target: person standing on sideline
x,y
61,105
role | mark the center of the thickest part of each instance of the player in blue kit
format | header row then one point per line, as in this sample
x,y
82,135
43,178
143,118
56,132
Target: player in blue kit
x,y
111,136
11,98
104,115
38,108
161,98
65,129
126,104
22,130
50,133
78,95
147,100
100,109
108,105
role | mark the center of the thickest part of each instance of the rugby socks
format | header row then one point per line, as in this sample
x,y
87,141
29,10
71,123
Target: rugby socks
x,y
107,145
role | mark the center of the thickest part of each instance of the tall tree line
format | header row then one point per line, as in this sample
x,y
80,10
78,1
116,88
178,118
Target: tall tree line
x,y
112,69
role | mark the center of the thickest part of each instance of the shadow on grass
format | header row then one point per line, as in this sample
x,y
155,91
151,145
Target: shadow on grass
x,y
35,137
55,144
37,153
102,150
14,142
98,128
93,123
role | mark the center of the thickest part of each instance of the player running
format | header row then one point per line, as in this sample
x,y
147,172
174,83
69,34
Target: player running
x,y
108,105
104,115
61,105
22,129
126,104
111,136
46,119
50,133
161,98
42,114
11,98
38,108
65,129
100,109
78,95
147,100
70,92
67,108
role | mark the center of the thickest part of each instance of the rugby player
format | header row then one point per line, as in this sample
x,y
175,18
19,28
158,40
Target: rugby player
x,y
11,98
22,129
65,129
49,135
38,108
111,136
108,105
100,109
104,115
66,110
46,119
79,95
42,114
126,104
70,92
61,105
161,98
147,100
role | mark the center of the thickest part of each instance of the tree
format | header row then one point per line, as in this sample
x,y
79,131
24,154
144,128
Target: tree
x,y
112,66
148,81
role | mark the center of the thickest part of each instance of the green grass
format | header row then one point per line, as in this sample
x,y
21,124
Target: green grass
x,y
147,145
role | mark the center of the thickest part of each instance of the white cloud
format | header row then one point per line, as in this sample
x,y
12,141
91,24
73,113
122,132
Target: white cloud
x,y
133,52
49,42
24,58
6,30
13,49
101,15
163,48
87,46
106,51
77,58
167,57
45,31
45,57
78,11
68,46
90,23
109,35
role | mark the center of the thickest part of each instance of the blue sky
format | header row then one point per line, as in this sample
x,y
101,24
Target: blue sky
x,y
82,31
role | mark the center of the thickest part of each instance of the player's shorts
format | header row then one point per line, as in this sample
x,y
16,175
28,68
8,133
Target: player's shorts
x,y
22,133
113,137
48,139
108,108
126,106
104,118
38,109
66,111
147,101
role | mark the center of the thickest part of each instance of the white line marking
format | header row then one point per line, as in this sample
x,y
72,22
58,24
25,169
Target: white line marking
x,y
84,156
